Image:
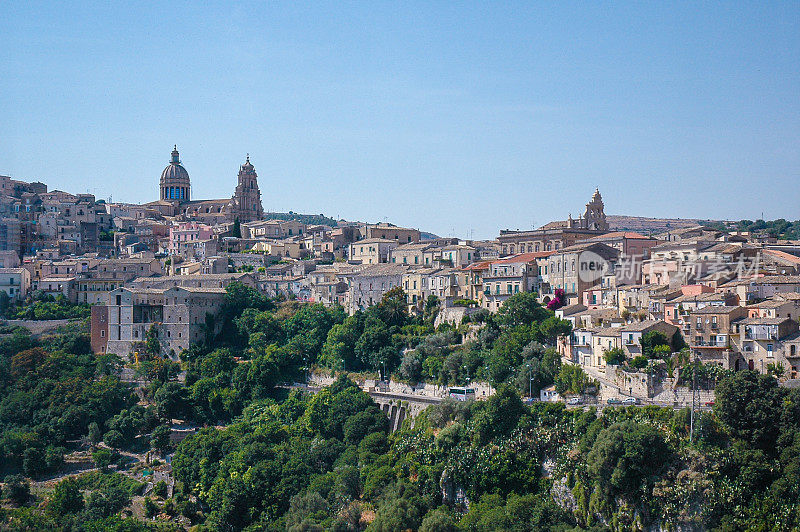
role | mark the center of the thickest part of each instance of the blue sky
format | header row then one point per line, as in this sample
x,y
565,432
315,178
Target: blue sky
x,y
458,118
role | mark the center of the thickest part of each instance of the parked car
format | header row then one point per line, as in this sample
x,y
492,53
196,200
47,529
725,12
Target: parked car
x,y
574,401
614,401
630,401
709,403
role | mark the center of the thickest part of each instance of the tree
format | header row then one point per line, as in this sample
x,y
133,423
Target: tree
x,y
5,303
102,459
66,498
749,406
114,439
572,379
438,520
411,367
393,306
150,508
160,438
106,501
369,345
94,433
160,489
34,463
500,414
615,356
521,309
239,296
626,455
152,345
553,327
662,352
17,489
776,369
651,340
432,306
639,362
27,362
171,401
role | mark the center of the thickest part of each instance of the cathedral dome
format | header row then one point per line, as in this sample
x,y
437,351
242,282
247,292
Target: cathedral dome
x,y
175,183
175,170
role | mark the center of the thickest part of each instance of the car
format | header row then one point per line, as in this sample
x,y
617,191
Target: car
x,y
709,403
574,401
614,401
630,401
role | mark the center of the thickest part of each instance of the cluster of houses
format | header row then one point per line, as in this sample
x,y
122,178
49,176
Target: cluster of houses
x,y
164,266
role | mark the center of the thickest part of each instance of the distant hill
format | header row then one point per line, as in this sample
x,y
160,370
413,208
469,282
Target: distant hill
x,y
647,226
309,219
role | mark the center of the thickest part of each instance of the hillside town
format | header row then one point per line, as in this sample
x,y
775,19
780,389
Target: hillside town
x,y
162,268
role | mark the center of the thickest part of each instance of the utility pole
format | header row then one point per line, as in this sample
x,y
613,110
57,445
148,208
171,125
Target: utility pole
x,y
694,395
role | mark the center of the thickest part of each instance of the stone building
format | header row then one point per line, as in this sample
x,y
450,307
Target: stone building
x,y
577,268
366,288
178,315
371,251
557,235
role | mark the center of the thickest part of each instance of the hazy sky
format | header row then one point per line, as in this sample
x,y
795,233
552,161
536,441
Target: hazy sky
x,y
457,118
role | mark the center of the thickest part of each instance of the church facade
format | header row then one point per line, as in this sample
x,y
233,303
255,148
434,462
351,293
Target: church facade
x,y
175,196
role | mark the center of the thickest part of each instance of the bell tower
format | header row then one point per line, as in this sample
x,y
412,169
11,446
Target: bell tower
x,y
247,198
594,217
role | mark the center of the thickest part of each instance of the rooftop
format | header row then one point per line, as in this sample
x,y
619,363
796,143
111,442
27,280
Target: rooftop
x,y
725,309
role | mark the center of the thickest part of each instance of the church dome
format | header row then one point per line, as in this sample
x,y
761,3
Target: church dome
x,y
175,170
175,185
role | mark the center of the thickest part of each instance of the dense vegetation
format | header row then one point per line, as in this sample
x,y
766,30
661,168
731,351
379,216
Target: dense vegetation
x,y
51,391
325,461
41,306
780,228
308,219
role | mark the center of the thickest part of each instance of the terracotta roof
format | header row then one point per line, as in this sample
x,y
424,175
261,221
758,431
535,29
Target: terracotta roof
x,y
620,234
763,321
524,257
482,265
643,325
783,255
716,310
562,224
569,310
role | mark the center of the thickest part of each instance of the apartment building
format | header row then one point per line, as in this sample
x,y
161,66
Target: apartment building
x,y
371,251
763,341
387,231
708,332
366,287
16,282
509,276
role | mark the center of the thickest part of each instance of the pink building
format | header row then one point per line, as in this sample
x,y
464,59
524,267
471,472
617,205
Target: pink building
x,y
184,237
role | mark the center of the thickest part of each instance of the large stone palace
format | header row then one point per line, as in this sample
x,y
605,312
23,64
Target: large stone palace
x,y
557,235
175,196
